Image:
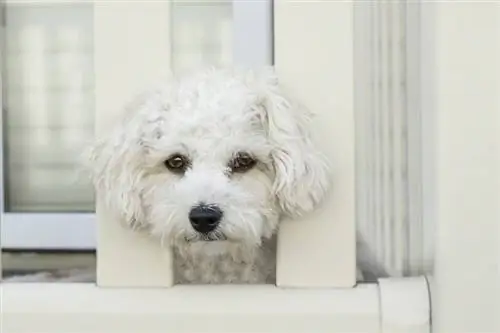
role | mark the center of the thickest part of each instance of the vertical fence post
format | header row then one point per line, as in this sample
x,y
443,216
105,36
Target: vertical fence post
x,y
314,59
132,51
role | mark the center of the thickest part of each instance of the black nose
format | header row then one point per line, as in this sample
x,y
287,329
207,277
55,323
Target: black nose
x,y
205,218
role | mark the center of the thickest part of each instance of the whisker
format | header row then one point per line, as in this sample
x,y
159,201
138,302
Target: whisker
x,y
252,227
218,235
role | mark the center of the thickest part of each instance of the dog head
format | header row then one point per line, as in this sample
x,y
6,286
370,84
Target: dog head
x,y
219,155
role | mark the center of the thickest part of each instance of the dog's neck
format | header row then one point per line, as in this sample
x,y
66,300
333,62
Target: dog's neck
x,y
223,262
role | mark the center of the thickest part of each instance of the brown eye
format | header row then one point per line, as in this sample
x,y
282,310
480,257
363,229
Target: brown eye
x,y
242,162
177,163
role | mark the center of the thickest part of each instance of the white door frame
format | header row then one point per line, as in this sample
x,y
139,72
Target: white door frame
x,y
77,231
48,231
463,112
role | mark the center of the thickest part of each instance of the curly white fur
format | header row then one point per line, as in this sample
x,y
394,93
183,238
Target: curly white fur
x,y
209,117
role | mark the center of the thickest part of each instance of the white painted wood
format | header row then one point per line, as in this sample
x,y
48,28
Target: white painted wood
x,y
405,305
59,231
132,52
465,47
252,33
392,306
316,65
84,308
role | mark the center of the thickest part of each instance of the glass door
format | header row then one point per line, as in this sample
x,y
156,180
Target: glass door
x,y
48,77
48,116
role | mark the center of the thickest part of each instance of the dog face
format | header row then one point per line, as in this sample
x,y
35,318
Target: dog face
x,y
214,157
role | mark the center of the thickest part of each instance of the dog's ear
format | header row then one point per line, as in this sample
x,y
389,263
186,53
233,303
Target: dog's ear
x,y
112,162
301,171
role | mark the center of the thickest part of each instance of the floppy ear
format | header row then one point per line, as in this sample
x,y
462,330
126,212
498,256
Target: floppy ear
x,y
301,172
111,161
114,160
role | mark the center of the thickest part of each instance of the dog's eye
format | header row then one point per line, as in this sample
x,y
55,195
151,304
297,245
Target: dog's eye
x,y
242,162
177,163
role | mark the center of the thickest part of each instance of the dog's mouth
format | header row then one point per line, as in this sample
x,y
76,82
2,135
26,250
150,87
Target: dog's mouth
x,y
210,237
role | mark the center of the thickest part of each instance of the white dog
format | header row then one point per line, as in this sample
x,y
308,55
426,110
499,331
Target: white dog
x,y
209,164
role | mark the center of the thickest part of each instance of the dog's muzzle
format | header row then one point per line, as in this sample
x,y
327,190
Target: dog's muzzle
x,y
205,218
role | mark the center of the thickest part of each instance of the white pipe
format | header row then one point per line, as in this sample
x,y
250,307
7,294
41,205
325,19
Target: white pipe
x,y
405,305
399,305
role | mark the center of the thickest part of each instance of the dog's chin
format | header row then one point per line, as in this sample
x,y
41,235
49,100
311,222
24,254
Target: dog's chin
x,y
211,246
208,238
214,244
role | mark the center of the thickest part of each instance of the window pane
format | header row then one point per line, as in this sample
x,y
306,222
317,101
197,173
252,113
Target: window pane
x,y
201,34
48,105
